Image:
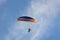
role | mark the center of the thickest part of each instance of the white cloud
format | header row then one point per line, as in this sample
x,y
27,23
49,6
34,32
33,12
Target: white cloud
x,y
44,13
35,35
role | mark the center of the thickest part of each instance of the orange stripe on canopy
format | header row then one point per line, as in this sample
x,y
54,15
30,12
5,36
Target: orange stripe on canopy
x,y
26,19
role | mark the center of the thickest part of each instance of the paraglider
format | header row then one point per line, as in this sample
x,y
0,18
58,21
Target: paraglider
x,y
27,19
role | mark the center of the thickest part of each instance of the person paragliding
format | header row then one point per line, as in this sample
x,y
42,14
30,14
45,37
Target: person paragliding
x,y
29,30
27,19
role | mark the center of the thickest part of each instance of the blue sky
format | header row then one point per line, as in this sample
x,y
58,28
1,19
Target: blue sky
x,y
46,13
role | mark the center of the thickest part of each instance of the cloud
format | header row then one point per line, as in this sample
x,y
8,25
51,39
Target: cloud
x,y
35,35
44,12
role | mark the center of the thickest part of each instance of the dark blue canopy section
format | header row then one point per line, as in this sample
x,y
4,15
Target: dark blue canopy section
x,y
26,17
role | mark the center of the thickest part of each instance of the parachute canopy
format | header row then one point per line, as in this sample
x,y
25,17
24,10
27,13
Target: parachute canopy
x,y
26,19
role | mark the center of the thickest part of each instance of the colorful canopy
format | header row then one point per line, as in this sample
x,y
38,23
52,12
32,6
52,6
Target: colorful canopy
x,y
26,19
